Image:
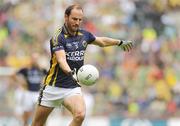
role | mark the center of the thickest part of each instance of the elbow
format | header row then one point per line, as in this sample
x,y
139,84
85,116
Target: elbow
x,y
102,45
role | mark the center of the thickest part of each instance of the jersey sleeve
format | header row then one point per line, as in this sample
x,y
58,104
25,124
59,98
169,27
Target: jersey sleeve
x,y
21,71
91,37
44,71
57,43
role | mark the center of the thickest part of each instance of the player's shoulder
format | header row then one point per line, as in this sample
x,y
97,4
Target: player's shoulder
x,y
58,31
22,70
43,70
84,32
56,35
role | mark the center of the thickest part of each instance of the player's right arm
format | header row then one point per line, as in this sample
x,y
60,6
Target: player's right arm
x,y
61,59
57,44
58,50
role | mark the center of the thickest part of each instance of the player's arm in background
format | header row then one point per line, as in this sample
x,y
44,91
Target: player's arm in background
x,y
106,41
19,79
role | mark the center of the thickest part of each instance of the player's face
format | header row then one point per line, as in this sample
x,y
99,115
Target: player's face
x,y
74,20
34,59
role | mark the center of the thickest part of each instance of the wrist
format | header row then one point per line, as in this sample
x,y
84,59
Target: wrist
x,y
120,42
70,73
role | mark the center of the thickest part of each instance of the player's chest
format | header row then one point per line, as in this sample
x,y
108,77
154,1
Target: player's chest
x,y
33,73
75,43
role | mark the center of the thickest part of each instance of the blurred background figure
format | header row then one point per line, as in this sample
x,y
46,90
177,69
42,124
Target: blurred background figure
x,y
142,84
28,81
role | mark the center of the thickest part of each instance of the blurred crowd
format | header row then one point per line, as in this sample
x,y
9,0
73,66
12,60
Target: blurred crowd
x,y
142,83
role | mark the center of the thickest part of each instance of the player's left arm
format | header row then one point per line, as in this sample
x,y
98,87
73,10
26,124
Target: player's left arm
x,y
106,41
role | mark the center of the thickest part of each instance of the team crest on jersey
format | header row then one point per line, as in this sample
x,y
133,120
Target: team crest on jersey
x,y
84,43
75,44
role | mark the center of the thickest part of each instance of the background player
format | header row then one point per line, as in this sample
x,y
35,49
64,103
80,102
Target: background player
x,y
30,78
68,46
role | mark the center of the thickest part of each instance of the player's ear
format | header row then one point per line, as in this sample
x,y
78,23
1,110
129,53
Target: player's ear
x,y
66,17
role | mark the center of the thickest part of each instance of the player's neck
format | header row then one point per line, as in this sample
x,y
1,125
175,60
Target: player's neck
x,y
69,31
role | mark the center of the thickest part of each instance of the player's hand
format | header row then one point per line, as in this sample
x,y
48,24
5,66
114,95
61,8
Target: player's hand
x,y
125,45
74,75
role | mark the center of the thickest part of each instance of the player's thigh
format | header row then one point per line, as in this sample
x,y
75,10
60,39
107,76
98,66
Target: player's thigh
x,y
41,114
75,104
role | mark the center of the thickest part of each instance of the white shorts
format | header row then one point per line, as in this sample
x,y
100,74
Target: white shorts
x,y
19,101
53,96
25,100
30,100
